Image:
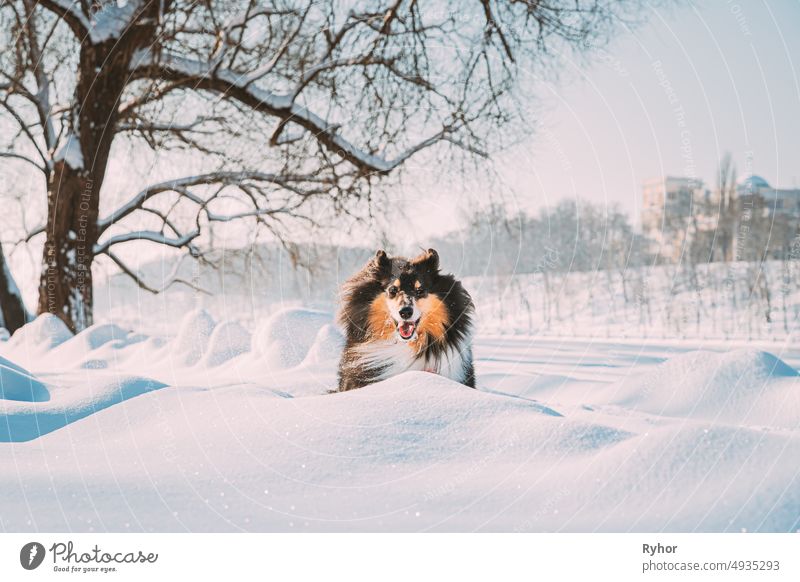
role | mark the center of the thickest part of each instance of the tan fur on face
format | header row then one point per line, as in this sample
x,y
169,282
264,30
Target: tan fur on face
x,y
381,324
433,323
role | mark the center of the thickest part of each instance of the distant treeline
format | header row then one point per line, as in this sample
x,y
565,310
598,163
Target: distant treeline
x,y
578,236
572,236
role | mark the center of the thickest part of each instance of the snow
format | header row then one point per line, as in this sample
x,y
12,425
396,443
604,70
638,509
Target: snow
x,y
38,337
193,336
17,383
208,429
743,386
329,340
11,284
111,20
284,104
71,153
285,338
228,340
88,340
69,403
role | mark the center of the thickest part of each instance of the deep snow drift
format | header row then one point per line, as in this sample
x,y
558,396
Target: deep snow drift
x,y
224,427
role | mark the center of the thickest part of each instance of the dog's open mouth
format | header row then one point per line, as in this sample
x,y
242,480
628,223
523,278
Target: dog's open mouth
x,y
406,329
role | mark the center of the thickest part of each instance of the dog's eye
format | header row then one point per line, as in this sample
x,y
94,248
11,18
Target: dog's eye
x,y
420,292
392,291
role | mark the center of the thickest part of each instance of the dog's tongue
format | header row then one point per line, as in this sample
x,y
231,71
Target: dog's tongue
x,y
406,330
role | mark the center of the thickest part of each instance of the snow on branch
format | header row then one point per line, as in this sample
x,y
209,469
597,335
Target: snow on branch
x,y
70,153
265,196
180,185
70,12
232,85
106,23
111,20
150,235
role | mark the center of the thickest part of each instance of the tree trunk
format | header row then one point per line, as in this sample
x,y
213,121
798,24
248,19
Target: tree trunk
x,y
65,289
12,309
73,194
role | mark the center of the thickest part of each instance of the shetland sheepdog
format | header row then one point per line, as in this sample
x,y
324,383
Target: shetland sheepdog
x,y
400,314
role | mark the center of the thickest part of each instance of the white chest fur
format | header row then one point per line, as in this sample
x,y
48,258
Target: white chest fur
x,y
393,357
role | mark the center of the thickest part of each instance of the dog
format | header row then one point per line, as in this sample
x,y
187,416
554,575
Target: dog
x,y
400,314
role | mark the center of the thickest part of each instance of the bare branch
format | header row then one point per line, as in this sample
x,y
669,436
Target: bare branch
x,y
233,86
35,232
25,128
42,98
17,156
181,184
70,12
172,279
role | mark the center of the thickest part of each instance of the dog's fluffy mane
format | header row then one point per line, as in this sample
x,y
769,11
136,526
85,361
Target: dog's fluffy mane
x,y
372,352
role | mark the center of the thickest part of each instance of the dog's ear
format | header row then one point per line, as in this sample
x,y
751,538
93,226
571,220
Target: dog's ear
x,y
381,262
429,260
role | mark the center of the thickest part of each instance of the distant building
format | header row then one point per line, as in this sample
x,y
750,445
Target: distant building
x,y
681,215
767,219
773,200
667,209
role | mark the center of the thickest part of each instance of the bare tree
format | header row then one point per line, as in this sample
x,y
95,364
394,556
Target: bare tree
x,y
321,99
726,194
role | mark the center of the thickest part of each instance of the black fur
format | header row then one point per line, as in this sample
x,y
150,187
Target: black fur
x,y
372,281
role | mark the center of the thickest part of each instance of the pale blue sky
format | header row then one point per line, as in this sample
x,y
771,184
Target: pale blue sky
x,y
669,97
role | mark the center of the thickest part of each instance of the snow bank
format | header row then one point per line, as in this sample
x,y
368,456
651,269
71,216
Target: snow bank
x,y
24,422
739,387
42,334
414,453
284,340
75,349
16,383
197,433
228,340
193,337
327,346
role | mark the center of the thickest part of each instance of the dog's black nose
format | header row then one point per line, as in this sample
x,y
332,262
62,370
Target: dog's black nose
x,y
406,312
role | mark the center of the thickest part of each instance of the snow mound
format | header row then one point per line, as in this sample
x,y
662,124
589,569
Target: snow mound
x,y
26,422
16,383
327,346
92,338
740,386
284,340
42,334
100,334
193,337
286,454
228,340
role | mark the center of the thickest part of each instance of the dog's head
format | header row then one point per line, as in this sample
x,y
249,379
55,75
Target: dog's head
x,y
408,305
